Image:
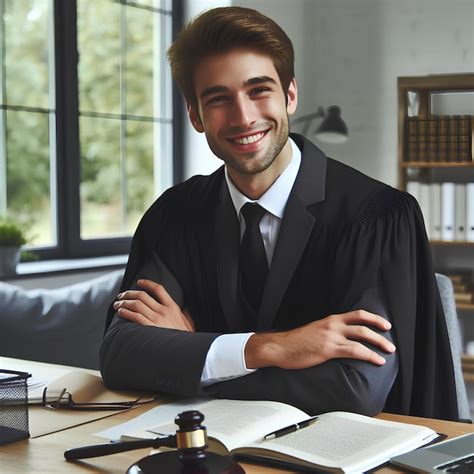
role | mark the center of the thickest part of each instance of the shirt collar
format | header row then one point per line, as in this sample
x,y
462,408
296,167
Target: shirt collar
x,y
275,198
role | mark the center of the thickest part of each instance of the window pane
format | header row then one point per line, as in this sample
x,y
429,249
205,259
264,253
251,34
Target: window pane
x,y
139,178
98,38
26,53
101,178
28,173
139,61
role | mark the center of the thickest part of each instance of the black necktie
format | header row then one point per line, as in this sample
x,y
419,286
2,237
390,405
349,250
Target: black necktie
x,y
253,260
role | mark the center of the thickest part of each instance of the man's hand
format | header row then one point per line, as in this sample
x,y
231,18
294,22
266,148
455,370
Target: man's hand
x,y
333,337
153,307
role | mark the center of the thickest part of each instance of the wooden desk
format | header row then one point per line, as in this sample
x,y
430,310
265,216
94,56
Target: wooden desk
x,y
45,454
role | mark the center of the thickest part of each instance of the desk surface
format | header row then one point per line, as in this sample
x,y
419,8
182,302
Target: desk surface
x,y
45,454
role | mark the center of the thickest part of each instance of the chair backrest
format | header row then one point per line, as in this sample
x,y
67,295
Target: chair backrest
x,y
449,306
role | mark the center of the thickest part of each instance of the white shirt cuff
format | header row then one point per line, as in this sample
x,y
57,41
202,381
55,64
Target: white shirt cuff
x,y
225,359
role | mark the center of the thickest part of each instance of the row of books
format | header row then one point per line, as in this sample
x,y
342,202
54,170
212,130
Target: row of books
x,y
448,209
444,138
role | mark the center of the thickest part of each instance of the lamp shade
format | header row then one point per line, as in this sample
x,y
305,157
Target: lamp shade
x,y
332,129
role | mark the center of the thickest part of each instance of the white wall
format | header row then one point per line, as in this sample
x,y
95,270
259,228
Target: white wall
x,y
350,53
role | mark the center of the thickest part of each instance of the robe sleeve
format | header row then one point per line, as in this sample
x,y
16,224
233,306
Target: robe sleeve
x,y
149,358
387,247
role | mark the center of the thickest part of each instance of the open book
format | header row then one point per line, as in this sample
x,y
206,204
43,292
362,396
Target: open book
x,y
338,441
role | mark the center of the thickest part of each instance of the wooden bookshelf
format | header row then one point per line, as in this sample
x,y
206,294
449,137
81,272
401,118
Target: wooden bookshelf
x,y
415,136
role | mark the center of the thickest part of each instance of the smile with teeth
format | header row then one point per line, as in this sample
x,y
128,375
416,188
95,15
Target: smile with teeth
x,y
249,139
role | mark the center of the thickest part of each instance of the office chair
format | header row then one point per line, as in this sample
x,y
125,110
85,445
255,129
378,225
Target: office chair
x,y
449,306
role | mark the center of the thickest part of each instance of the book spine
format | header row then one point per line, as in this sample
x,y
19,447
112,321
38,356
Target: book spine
x,y
460,217
447,211
435,211
453,135
412,139
425,207
442,138
432,139
422,140
465,137
470,212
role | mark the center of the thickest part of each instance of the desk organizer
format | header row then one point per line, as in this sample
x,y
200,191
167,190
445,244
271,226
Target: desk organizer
x,y
13,406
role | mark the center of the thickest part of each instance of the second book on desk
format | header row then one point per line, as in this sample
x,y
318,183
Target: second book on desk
x,y
336,442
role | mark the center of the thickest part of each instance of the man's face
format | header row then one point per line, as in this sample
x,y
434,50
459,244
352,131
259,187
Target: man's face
x,y
243,110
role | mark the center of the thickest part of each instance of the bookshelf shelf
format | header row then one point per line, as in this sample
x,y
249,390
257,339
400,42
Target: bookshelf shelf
x,y
437,164
465,307
452,243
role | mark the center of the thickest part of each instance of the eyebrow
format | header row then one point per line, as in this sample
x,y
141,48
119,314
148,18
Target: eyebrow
x,y
249,82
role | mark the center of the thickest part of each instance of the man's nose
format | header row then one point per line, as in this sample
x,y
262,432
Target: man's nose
x,y
244,112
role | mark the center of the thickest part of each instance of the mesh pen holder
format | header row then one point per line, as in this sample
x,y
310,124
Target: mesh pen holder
x,y
13,406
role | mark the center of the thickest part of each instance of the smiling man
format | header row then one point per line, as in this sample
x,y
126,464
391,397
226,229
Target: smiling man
x,y
285,275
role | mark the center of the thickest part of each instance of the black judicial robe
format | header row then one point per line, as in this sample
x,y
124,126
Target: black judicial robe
x,y
346,242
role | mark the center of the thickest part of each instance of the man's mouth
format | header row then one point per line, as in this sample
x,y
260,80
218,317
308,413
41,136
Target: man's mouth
x,y
248,139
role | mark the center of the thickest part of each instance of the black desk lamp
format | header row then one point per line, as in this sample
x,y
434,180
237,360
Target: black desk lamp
x,y
332,129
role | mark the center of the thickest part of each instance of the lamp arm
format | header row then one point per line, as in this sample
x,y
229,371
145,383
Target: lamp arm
x,y
308,118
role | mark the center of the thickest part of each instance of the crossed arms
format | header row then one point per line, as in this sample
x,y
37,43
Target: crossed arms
x,y
340,362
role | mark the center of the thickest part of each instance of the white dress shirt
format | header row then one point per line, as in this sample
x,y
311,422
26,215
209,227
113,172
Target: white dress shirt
x,y
225,359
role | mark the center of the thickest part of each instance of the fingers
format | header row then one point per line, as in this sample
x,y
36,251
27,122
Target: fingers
x,y
362,333
153,306
157,290
134,316
356,350
141,296
360,316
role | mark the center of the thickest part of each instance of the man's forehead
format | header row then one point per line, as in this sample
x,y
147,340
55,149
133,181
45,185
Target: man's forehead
x,y
236,68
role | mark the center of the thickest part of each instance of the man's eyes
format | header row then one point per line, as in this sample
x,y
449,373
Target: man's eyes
x,y
260,90
254,92
217,99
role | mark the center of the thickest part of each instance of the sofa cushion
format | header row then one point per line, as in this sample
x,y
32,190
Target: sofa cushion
x,y
62,326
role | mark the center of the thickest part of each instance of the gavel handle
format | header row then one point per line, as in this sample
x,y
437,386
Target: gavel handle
x,y
112,448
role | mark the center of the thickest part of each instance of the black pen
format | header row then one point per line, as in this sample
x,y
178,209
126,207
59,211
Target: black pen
x,y
291,428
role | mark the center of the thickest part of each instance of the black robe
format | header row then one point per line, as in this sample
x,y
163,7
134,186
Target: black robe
x,y
346,242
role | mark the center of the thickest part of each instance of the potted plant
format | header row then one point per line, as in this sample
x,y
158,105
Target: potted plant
x,y
12,237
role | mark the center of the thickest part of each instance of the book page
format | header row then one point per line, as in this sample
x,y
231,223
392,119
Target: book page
x,y
347,441
237,422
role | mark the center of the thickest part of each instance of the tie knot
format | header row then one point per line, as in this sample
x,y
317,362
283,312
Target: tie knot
x,y
253,214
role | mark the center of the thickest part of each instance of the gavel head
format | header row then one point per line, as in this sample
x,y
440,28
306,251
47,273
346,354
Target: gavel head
x,y
191,438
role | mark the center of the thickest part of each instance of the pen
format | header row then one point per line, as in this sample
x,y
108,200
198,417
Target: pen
x,y
291,428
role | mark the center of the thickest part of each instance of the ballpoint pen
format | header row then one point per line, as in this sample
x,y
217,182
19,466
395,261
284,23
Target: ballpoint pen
x,y
291,428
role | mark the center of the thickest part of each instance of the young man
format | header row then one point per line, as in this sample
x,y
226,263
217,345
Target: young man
x,y
276,276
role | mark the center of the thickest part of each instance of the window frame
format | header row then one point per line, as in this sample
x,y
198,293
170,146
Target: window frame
x,y
67,143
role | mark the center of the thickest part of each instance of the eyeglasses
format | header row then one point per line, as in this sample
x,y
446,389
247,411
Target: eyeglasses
x,y
64,400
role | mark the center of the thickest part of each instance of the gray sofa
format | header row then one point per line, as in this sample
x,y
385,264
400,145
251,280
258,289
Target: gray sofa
x,y
61,326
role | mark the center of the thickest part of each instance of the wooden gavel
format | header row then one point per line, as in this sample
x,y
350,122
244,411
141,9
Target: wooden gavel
x,y
191,455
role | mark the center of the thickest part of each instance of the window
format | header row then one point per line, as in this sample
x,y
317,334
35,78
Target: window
x,y
86,119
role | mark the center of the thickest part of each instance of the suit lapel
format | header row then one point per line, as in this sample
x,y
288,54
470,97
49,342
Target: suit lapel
x,y
297,225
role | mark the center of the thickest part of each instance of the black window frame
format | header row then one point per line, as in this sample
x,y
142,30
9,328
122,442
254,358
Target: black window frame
x,y
68,159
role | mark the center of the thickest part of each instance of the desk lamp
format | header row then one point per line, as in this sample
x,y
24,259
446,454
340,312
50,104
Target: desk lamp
x,y
332,129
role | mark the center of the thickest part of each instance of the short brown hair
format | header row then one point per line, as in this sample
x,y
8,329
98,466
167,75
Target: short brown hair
x,y
222,29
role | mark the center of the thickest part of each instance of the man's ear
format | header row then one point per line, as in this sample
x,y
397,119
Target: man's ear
x,y
292,97
195,119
